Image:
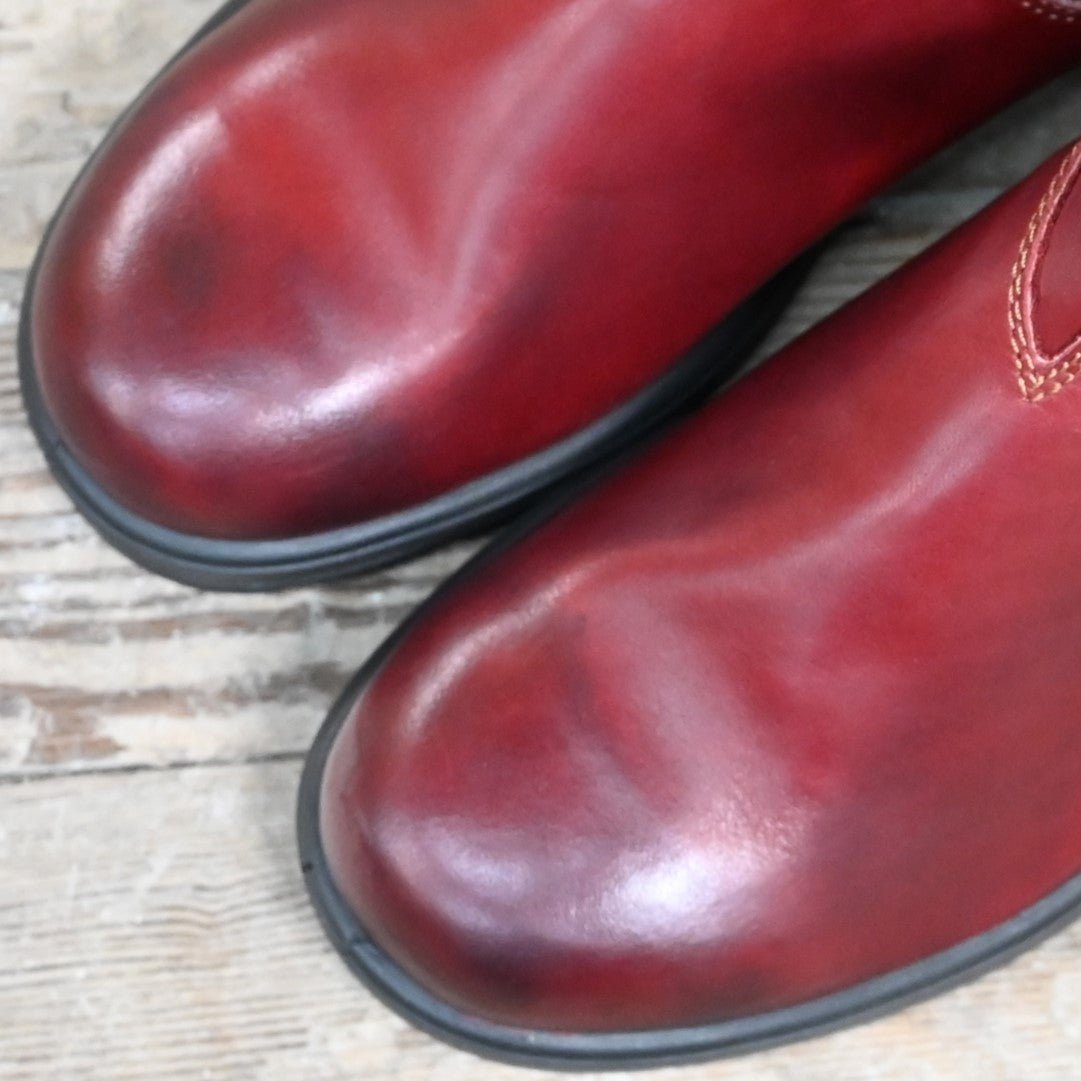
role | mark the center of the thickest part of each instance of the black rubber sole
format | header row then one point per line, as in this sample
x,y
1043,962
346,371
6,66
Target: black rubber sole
x,y
488,502
540,1049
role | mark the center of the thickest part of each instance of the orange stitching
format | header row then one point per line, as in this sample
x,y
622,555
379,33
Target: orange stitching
x,y
1062,11
1038,375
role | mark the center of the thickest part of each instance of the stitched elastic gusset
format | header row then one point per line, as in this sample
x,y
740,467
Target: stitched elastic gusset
x,y
1059,11
1039,375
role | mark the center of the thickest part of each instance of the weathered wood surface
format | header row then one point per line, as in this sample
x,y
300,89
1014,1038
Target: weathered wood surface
x,y
152,919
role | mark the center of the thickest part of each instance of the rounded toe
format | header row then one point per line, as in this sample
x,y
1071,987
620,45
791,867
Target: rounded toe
x,y
571,797
200,333
533,849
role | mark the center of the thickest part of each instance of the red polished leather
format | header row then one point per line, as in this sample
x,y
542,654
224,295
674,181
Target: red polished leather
x,y
788,703
349,255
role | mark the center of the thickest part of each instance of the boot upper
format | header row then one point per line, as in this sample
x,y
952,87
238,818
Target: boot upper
x,y
786,704
345,256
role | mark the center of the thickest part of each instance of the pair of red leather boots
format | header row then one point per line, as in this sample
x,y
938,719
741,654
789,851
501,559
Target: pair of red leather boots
x,y
763,729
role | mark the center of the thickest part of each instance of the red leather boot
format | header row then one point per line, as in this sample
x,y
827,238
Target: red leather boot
x,y
356,277
772,730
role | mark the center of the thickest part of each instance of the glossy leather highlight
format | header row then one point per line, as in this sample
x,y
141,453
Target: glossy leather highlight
x,y
788,703
346,256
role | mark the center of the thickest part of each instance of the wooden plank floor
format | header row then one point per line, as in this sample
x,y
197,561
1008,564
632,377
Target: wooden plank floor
x,y
152,918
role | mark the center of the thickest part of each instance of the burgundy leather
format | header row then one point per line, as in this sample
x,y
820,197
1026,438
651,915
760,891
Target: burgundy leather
x,y
790,702
349,255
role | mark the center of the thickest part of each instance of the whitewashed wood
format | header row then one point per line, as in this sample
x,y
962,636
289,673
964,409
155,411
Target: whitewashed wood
x,y
154,926
151,919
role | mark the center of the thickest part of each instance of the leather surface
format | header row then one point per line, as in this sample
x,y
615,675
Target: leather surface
x,y
786,704
349,255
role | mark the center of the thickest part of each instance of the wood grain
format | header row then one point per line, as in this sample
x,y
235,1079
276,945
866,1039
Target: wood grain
x,y
154,926
152,923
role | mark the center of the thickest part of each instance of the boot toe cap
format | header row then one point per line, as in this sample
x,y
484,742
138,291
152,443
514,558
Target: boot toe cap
x,y
541,862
